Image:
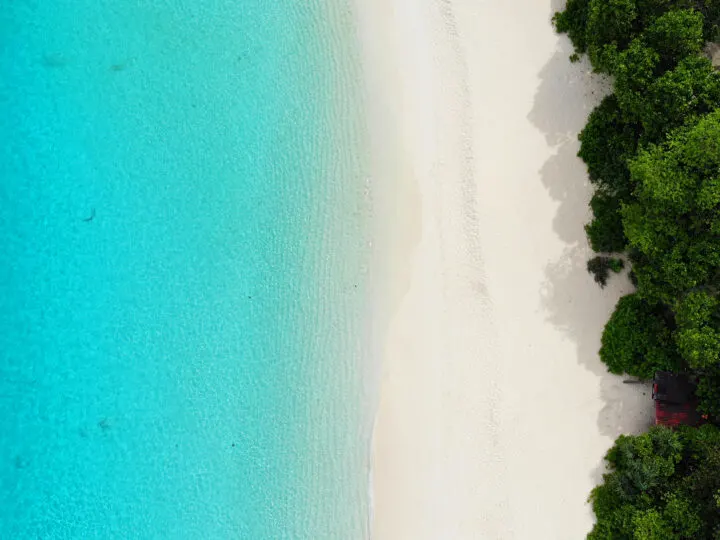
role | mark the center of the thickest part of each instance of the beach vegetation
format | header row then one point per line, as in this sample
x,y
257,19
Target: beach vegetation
x,y
673,221
604,28
708,393
662,484
605,232
652,150
697,335
606,143
638,339
600,268
675,34
573,22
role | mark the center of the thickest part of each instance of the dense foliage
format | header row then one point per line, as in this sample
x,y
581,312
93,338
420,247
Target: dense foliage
x,y
709,393
652,149
604,28
661,485
673,219
662,82
638,339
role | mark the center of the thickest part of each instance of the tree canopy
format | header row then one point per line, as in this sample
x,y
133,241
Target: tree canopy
x,y
638,339
661,485
674,219
652,150
604,28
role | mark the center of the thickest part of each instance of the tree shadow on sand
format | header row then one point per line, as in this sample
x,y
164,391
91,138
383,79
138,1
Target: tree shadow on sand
x,y
627,407
567,94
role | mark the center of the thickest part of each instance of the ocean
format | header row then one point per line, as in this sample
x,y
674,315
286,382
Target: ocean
x,y
184,271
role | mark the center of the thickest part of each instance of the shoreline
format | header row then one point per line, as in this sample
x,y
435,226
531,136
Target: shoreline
x,y
494,411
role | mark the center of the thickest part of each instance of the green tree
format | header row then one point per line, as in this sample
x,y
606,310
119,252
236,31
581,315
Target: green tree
x,y
675,35
675,219
635,70
708,392
660,485
678,97
652,150
606,143
605,232
700,483
609,25
681,514
637,339
573,22
697,337
600,267
605,28
640,468
662,100
650,525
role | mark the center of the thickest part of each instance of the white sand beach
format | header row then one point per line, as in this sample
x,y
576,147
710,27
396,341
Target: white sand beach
x,y
494,410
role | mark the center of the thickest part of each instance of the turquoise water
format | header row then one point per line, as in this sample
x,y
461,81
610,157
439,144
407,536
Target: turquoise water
x,y
183,263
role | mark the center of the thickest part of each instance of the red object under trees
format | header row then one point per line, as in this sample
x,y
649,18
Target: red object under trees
x,y
675,400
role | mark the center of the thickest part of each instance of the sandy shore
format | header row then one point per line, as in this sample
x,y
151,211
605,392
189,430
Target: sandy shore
x,y
494,409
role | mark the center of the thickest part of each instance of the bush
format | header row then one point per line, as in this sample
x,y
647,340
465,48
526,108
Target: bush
x,y
637,339
616,265
600,268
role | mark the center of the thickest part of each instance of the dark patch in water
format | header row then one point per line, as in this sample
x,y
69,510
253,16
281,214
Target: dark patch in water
x,y
248,56
104,424
122,66
54,60
20,462
90,217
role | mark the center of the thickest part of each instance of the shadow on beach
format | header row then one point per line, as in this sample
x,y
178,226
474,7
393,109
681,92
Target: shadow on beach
x,y
572,301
